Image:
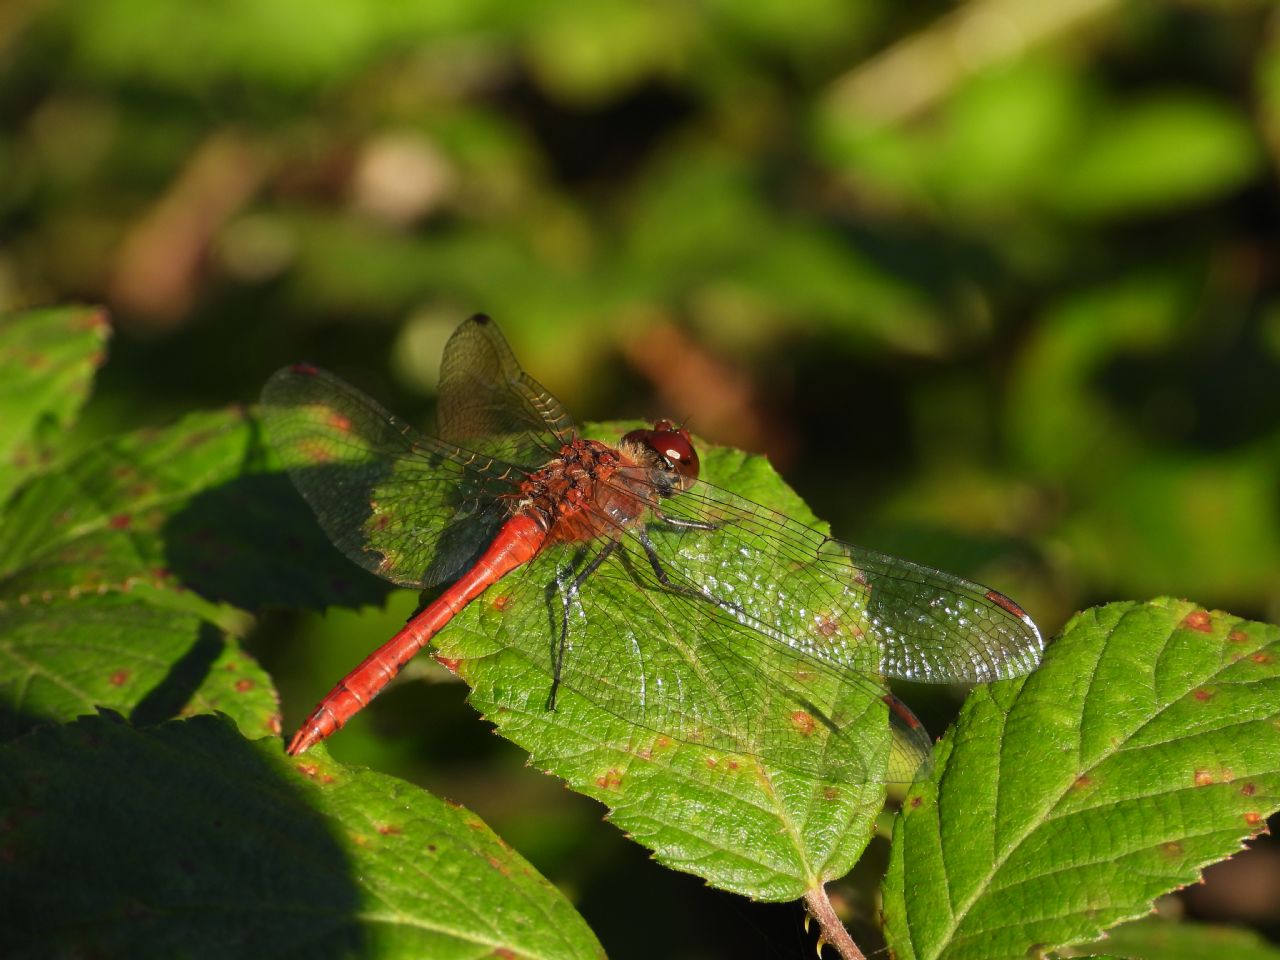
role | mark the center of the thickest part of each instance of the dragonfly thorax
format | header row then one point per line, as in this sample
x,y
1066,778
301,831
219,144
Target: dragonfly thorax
x,y
583,493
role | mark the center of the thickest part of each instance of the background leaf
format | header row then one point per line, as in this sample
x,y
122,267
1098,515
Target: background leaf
x,y
188,840
1146,746
47,362
1157,939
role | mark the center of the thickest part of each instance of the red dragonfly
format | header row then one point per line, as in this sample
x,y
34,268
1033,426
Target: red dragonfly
x,y
676,606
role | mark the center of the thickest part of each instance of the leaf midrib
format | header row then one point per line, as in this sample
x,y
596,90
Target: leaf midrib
x,y
957,917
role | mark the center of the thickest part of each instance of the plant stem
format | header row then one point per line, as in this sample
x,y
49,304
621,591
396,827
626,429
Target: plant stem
x,y
832,931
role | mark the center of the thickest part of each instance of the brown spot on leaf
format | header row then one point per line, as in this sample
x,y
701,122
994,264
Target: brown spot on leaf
x,y
1082,782
1198,620
830,793
1172,849
274,724
1260,657
711,762
611,780
505,953
803,722
1252,819
1203,694
826,625
1249,789
309,769
389,830
315,452
244,685
501,603
120,521
339,421
1238,636
1203,778
119,678
498,865
916,801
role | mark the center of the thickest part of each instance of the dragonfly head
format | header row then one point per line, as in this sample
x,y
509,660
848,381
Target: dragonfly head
x,y
668,450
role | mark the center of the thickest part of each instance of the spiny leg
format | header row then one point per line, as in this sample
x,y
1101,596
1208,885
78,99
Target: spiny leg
x,y
568,595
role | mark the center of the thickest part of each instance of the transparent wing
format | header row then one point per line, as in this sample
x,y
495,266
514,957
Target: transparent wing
x,y
851,608
412,509
488,404
673,669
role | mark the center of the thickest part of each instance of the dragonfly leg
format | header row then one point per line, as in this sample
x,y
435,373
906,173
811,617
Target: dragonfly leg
x,y
664,578
568,594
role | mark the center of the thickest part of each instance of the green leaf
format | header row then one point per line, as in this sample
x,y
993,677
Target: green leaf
x,y
134,653
47,362
187,840
190,506
1146,746
1163,153
97,562
743,822
1156,939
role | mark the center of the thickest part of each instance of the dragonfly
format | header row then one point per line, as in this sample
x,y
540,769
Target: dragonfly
x,y
685,610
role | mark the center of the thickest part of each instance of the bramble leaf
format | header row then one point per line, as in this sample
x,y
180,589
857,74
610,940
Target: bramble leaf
x,y
746,823
47,362
1146,746
185,839
1153,938
91,611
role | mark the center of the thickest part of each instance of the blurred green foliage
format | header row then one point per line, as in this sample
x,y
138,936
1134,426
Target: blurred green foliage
x,y
995,285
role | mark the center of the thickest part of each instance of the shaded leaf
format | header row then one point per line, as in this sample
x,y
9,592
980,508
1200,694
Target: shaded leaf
x,y
135,653
187,840
1146,746
47,361
191,506
97,559
1156,939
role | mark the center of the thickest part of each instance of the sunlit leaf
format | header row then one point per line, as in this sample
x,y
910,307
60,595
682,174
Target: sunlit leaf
x,y
1146,746
742,822
188,840
1163,153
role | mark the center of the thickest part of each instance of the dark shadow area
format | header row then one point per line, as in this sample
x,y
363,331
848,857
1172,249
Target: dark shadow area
x,y
689,918
253,542
181,840
186,675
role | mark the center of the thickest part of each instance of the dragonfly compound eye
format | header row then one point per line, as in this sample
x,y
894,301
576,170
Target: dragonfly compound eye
x,y
672,449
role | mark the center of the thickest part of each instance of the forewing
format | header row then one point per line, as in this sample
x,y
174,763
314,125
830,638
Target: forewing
x,y
409,508
849,607
488,404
